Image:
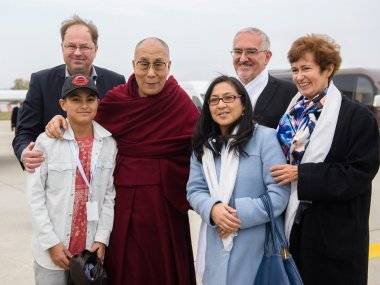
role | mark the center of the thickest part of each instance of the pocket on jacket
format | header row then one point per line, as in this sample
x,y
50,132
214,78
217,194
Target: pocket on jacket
x,y
60,175
103,172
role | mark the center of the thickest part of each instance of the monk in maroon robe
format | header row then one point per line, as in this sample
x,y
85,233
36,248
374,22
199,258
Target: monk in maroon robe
x,y
152,119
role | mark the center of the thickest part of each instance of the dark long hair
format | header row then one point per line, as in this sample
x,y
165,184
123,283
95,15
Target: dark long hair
x,y
207,129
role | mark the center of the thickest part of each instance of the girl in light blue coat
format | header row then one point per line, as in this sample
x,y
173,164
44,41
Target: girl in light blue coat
x,y
229,171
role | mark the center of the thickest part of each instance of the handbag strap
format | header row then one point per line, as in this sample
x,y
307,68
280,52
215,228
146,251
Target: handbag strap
x,y
278,232
269,227
279,244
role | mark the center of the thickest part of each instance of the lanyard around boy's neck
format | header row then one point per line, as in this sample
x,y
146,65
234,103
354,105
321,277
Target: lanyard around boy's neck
x,y
80,167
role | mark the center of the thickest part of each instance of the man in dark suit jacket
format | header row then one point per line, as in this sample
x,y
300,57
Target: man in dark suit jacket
x,y
79,47
269,96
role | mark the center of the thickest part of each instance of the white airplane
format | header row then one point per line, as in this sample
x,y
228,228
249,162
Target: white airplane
x,y
195,89
12,95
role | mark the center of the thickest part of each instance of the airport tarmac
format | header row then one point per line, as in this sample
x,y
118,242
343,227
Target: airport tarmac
x,y
15,254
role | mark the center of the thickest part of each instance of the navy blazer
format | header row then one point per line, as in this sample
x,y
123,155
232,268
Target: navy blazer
x,y
41,102
273,102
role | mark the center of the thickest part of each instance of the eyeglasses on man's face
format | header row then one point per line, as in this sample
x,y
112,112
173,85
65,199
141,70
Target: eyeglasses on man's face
x,y
249,52
144,65
73,47
228,98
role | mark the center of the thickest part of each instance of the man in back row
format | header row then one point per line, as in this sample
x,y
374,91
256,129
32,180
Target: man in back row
x,y
269,96
79,47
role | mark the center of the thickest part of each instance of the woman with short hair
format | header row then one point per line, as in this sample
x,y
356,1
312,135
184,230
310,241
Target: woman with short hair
x,y
331,144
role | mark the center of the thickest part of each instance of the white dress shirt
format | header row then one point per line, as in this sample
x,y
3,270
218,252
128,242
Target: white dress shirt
x,y
256,86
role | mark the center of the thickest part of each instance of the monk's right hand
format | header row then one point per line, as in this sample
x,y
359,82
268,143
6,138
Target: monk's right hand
x,y
31,158
54,128
225,217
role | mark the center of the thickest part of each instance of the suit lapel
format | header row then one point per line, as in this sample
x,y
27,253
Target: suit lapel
x,y
61,71
266,96
59,79
100,82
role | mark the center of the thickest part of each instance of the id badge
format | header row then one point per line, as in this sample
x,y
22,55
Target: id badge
x,y
92,211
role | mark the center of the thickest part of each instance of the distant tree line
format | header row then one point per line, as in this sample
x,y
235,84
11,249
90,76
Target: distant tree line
x,y
20,84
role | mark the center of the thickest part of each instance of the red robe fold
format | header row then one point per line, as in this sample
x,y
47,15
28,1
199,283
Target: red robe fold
x,y
150,242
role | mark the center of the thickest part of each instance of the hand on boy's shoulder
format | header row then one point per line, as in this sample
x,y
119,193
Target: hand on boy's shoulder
x,y
60,255
56,126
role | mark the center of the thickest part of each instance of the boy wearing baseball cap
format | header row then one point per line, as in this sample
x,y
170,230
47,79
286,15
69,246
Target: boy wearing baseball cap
x,y
71,195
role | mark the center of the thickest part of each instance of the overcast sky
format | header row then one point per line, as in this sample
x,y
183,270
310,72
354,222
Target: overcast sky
x,y
199,32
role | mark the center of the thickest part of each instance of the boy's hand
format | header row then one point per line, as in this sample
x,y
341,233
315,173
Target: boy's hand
x,y
101,249
60,255
53,128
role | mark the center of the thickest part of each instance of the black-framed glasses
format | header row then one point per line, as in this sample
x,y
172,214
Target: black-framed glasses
x,y
73,47
144,65
249,52
214,100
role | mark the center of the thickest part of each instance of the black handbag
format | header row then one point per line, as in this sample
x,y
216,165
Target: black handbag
x,y
277,266
86,268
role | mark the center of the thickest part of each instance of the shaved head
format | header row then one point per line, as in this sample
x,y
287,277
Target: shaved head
x,y
153,40
151,65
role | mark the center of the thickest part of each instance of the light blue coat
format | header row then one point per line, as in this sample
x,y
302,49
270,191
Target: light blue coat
x,y
253,179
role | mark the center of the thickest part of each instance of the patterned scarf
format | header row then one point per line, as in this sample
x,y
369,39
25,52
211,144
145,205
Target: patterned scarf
x,y
297,125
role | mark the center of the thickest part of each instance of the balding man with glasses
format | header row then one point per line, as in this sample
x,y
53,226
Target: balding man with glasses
x,y
79,48
269,96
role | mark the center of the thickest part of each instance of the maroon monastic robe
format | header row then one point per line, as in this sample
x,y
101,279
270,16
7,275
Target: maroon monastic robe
x,y
150,242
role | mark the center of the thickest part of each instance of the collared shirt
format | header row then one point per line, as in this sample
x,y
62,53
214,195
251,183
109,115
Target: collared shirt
x,y
51,188
256,86
94,75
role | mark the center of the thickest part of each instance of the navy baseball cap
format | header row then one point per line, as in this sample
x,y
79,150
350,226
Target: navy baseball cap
x,y
76,82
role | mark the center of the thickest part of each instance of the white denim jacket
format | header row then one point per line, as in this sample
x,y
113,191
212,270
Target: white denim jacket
x,y
51,188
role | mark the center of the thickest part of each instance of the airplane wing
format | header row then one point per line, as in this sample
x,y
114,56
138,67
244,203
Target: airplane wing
x,y
12,95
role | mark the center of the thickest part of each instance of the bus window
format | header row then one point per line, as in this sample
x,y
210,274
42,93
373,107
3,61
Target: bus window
x,y
364,91
346,84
